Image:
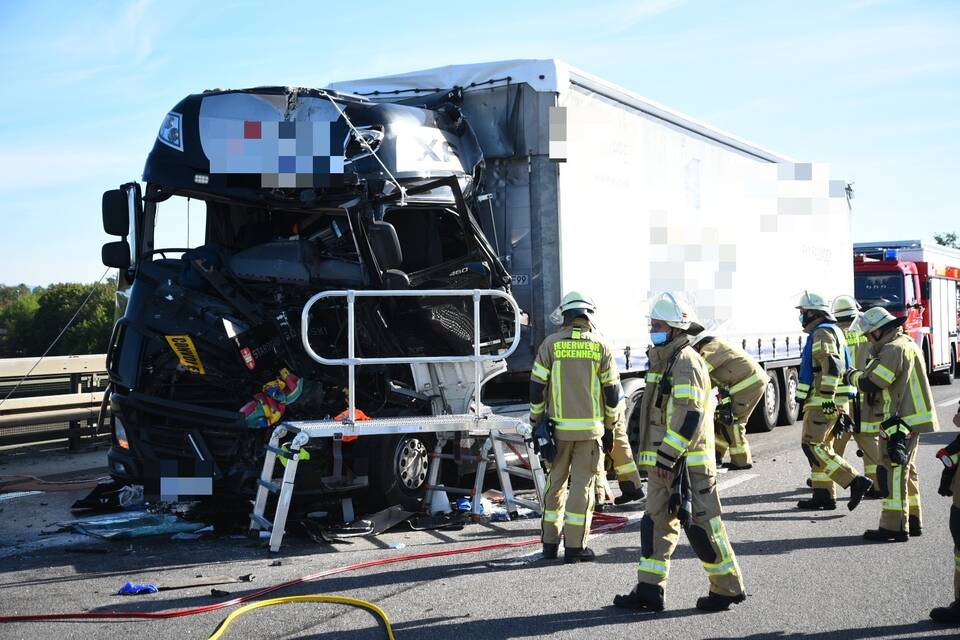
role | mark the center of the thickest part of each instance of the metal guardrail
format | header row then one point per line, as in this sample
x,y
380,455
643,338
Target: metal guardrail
x,y
60,398
352,361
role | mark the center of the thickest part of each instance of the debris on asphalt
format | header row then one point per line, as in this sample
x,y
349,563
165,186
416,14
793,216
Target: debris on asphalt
x,y
443,521
132,589
110,496
388,518
396,545
129,524
218,593
13,495
276,563
201,581
206,532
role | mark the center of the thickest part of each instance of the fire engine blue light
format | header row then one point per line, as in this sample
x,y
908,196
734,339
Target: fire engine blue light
x,y
889,254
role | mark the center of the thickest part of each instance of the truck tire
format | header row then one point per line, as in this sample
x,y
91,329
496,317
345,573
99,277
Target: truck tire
x,y
399,470
789,407
633,393
948,375
765,416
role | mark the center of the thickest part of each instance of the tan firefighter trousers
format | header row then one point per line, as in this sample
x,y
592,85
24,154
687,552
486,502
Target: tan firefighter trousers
x,y
570,510
660,531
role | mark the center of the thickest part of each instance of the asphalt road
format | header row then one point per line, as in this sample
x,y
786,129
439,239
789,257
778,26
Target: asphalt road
x,y
807,575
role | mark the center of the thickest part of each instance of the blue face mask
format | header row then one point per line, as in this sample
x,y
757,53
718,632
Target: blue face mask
x,y
803,320
659,337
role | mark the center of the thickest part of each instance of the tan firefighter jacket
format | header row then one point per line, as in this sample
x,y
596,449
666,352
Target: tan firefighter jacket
x,y
731,368
676,413
582,392
894,385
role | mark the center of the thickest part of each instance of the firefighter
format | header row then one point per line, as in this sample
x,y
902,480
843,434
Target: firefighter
x,y
823,362
846,309
741,383
897,400
950,486
575,386
676,429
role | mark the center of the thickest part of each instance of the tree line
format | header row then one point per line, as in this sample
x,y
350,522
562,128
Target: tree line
x,y
32,317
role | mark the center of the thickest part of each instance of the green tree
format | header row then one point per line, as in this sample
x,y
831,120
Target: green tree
x,y
89,332
18,306
947,239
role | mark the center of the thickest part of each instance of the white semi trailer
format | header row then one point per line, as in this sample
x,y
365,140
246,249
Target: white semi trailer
x,y
595,188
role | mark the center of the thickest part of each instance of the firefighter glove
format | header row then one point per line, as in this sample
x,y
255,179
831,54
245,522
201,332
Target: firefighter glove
x,y
946,480
607,440
724,415
897,448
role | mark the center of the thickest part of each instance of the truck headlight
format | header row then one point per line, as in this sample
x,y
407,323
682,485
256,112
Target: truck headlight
x,y
120,434
170,132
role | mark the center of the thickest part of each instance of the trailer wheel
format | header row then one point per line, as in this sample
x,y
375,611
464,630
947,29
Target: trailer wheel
x,y
399,475
764,417
633,393
789,407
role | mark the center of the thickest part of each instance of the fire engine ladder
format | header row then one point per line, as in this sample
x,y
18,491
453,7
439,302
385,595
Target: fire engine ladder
x,y
500,431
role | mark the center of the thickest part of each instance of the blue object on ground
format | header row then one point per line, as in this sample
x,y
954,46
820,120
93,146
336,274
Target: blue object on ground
x,y
131,589
464,504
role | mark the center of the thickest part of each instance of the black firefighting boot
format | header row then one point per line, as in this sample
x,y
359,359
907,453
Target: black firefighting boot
x,y
885,535
858,489
716,602
646,598
947,615
915,529
550,550
628,493
576,554
821,501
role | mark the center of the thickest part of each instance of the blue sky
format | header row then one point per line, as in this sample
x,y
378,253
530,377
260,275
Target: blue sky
x,y
870,86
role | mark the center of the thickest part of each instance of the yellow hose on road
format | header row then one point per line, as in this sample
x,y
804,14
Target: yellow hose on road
x,y
353,602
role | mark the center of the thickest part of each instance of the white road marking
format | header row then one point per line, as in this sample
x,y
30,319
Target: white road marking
x,y
732,482
947,403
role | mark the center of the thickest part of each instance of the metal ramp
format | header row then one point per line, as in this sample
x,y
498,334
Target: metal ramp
x,y
500,432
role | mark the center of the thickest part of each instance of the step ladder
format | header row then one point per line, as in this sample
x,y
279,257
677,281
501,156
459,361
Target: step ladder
x,y
267,485
528,467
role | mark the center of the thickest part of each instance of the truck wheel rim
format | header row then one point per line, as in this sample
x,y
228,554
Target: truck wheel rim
x,y
791,393
411,468
770,399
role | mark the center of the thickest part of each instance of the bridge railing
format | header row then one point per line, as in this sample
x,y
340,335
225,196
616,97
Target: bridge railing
x,y
59,399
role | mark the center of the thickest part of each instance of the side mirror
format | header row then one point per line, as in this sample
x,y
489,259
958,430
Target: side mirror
x,y
385,245
116,213
116,254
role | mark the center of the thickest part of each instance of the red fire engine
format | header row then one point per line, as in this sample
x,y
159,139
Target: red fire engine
x,y
918,280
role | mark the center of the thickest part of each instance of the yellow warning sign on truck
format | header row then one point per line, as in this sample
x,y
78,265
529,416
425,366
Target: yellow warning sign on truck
x,y
184,348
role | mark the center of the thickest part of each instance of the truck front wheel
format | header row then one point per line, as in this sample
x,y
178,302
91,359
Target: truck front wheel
x,y
399,474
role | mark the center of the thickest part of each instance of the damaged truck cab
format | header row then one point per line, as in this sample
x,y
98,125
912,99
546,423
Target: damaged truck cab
x,y
304,191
